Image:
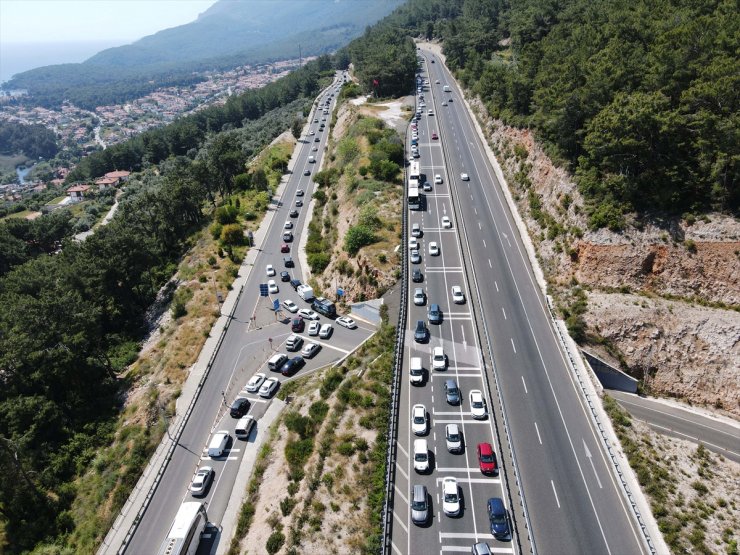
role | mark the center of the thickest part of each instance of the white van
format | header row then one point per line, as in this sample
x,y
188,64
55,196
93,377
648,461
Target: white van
x,y
277,361
416,370
446,88
421,455
244,427
218,444
311,160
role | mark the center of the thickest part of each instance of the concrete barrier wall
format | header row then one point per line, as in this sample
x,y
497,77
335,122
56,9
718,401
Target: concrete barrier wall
x,y
610,377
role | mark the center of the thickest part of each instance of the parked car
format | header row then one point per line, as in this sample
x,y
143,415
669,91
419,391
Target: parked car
x,y
297,325
419,505
439,358
269,387
435,314
313,328
450,497
292,366
415,257
254,383
310,350
421,333
325,331
308,314
452,392
477,404
419,297
457,295
486,458
498,517
417,276
453,438
290,306
346,322
239,407
200,482
419,422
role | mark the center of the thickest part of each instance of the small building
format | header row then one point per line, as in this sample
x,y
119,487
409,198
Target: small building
x,y
119,175
105,182
77,192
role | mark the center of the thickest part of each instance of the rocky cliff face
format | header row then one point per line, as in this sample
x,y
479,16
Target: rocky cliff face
x,y
645,284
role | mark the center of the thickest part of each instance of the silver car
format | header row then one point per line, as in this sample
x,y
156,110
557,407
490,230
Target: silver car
x,y
419,505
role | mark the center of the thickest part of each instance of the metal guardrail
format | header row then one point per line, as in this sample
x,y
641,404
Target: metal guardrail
x,y
390,461
178,432
595,418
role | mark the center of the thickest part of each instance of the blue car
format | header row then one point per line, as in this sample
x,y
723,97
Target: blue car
x,y
499,519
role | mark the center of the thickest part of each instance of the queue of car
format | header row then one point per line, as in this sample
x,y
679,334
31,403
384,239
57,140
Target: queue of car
x,y
421,512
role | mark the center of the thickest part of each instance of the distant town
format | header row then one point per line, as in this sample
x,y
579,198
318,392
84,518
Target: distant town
x,y
81,131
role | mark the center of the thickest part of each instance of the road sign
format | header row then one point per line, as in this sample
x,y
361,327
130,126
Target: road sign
x,y
276,305
263,290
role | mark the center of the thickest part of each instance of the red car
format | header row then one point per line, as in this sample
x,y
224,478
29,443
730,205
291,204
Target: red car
x,y
434,136
486,458
285,248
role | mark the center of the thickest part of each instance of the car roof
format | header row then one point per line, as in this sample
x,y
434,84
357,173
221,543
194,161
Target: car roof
x,y
485,448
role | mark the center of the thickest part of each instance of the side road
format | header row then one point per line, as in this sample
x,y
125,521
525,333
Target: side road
x,y
132,511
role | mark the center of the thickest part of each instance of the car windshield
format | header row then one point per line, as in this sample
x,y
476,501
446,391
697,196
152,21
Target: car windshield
x,y
418,505
420,457
486,458
418,419
498,519
454,437
477,404
450,497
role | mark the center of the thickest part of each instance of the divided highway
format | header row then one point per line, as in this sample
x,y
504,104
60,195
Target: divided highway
x,y
244,351
574,500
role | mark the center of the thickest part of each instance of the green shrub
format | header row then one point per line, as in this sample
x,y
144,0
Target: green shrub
x,y
358,236
215,230
226,214
287,505
232,234
298,452
318,411
275,542
318,261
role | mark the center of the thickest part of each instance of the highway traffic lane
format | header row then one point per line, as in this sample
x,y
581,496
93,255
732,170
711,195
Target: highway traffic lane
x,y
715,434
197,430
605,472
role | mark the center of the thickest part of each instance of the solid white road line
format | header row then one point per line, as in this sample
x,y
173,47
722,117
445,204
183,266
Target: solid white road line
x,y
555,492
398,491
398,444
537,429
464,536
525,385
393,545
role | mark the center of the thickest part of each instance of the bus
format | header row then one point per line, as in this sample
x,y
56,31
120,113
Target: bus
x,y
184,535
414,198
414,174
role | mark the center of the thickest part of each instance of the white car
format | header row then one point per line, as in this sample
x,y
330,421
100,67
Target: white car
x,y
254,383
439,360
269,387
450,497
477,404
438,179
430,112
464,177
270,270
427,186
444,104
325,331
272,286
313,328
290,306
346,322
288,225
200,482
433,248
419,296
419,420
457,295
437,82
414,244
310,350
446,222
308,314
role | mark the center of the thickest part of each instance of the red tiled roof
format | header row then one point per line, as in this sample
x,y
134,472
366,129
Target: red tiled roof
x,y
79,189
118,174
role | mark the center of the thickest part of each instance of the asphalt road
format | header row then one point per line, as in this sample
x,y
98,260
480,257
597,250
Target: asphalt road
x,y
247,346
716,435
574,502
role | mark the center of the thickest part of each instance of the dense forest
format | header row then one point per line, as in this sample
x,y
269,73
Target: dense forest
x,y
71,319
639,99
35,141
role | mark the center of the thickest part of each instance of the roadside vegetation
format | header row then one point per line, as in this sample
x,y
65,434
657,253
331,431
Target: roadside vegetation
x,y
693,492
355,225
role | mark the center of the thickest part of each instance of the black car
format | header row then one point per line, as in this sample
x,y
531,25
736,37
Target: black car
x,y
299,192
294,213
294,283
284,276
308,172
288,261
292,366
435,314
417,276
239,407
299,203
421,333
297,324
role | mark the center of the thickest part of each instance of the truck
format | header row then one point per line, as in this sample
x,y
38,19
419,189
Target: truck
x,y
324,306
305,292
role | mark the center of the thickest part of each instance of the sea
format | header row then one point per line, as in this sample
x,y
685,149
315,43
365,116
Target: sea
x,y
20,57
